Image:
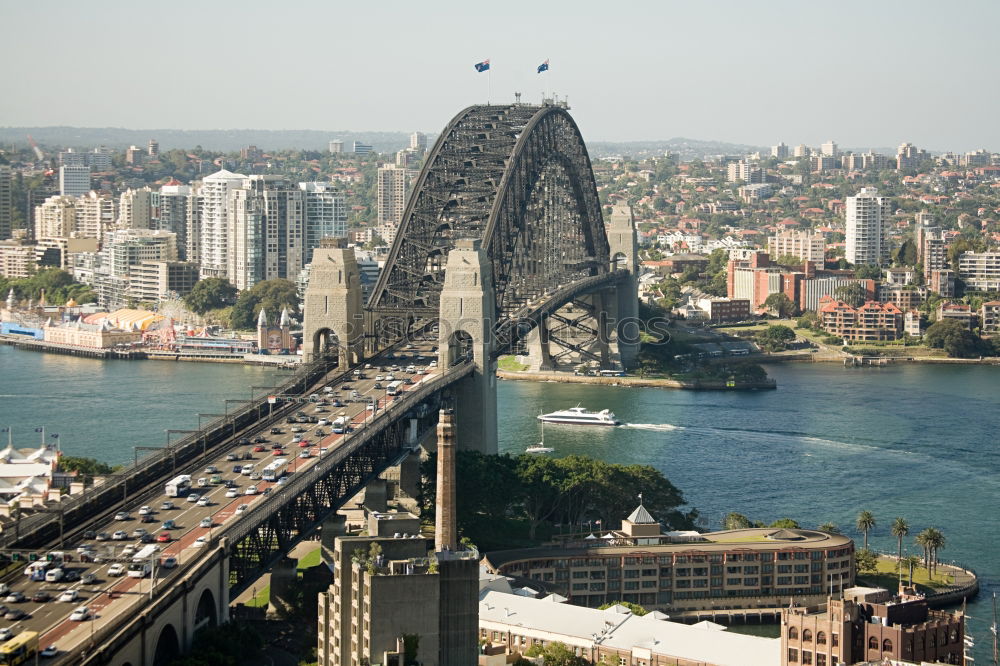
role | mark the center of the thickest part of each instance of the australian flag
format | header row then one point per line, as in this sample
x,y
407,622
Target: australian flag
x,y
544,67
483,66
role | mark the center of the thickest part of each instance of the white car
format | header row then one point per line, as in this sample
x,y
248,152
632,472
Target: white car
x,y
379,378
205,522
6,634
145,511
204,501
193,497
199,542
283,480
120,535
122,515
80,614
251,490
117,569
323,422
128,551
242,508
232,492
50,651
73,595
167,506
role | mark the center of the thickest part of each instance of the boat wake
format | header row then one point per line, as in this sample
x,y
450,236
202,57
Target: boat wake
x,y
664,427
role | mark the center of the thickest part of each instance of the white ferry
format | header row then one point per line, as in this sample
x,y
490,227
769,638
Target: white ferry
x,y
581,416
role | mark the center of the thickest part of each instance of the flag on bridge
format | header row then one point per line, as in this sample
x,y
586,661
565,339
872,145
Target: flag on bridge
x,y
483,66
544,67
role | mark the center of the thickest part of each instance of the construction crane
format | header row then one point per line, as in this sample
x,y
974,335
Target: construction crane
x,y
34,146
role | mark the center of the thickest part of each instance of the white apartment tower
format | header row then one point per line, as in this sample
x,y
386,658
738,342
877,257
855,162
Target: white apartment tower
x,y
74,181
135,209
392,190
780,151
830,149
418,141
173,213
267,231
214,227
867,217
326,214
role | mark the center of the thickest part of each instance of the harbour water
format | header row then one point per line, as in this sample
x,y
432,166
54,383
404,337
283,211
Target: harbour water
x,y
914,441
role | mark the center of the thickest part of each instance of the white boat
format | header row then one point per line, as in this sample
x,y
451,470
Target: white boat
x,y
581,416
540,447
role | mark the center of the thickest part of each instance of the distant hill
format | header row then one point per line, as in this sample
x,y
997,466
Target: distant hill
x,y
382,142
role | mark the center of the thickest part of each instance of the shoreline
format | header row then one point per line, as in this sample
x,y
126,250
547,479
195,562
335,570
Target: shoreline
x,y
653,382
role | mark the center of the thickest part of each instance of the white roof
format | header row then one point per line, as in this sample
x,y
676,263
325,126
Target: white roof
x,y
585,627
223,174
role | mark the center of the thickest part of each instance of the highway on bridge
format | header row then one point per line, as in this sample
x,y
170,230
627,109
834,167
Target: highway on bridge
x,y
110,595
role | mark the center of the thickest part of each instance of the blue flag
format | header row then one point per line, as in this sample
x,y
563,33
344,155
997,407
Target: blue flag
x,y
483,66
544,67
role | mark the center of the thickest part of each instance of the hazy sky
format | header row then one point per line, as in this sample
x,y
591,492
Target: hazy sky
x,y
872,73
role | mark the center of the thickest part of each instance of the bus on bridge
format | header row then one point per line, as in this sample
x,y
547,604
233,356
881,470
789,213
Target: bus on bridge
x,y
275,470
178,486
19,649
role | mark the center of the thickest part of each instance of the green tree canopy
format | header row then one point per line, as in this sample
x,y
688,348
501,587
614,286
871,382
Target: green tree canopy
x,y
210,294
636,609
868,272
854,294
735,521
780,304
775,337
955,338
58,285
271,295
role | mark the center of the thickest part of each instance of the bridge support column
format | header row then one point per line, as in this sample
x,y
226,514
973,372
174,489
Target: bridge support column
x,y
468,311
538,347
333,314
333,527
283,576
624,245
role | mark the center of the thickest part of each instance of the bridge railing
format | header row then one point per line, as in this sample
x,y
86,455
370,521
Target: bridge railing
x,y
36,529
350,444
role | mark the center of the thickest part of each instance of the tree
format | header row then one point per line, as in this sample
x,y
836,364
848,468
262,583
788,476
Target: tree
x,y
909,563
923,540
829,527
868,272
635,608
866,561
785,523
270,295
865,523
556,654
781,305
935,542
900,528
775,337
736,521
854,294
906,254
210,294
954,337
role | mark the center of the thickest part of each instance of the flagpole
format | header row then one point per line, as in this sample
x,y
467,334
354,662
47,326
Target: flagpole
x,y
489,79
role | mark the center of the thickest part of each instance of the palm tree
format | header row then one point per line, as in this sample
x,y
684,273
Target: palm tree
x,y
900,528
910,562
936,542
865,523
923,540
829,527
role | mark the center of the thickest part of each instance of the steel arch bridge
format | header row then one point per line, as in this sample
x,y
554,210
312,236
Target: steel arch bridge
x,y
518,178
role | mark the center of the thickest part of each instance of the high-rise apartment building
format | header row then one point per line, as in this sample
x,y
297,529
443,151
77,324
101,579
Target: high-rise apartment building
x,y
135,155
830,149
135,209
980,270
392,190
780,151
326,214
336,146
267,231
55,218
195,207
95,215
745,172
74,181
867,218
6,203
418,141
153,148
172,213
214,218
802,150
802,244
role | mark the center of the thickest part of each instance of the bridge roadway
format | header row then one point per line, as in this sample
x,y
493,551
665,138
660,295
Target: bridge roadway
x,y
109,597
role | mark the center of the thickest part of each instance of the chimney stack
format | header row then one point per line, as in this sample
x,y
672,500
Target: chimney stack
x,y
445,528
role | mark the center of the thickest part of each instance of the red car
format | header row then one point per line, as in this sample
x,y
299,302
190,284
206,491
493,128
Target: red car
x,y
278,453
163,537
259,449
304,443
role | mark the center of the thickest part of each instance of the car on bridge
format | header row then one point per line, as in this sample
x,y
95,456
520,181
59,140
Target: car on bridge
x,y
138,533
251,490
72,595
145,511
193,497
230,457
232,492
6,634
163,537
166,506
199,542
116,569
14,597
15,615
204,501
205,522
41,597
120,535
80,614
123,515
50,651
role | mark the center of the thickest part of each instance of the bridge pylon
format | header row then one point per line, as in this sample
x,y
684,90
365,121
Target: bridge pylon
x,y
466,331
624,244
333,310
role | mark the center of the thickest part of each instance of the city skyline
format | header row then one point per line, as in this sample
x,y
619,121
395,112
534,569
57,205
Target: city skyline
x,y
882,76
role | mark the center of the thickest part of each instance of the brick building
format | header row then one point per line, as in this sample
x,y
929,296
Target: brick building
x,y
872,321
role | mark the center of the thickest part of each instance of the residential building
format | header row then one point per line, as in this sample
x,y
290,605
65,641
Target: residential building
x,y
135,209
755,192
74,181
56,217
361,148
960,312
195,210
393,185
989,318
913,323
802,150
830,149
871,625
745,172
823,163
336,146
6,202
909,157
873,321
725,309
942,282
95,215
153,148
326,214
418,142
683,573
867,218
980,270
213,251
267,222
780,151
903,297
152,281
805,245
172,213
16,259
134,155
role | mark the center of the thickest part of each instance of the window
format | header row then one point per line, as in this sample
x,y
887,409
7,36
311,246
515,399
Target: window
x,y
793,633
820,659
835,640
820,638
807,635
631,573
793,654
807,657
631,585
872,643
887,645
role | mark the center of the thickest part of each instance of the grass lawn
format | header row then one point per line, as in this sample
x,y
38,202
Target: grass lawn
x,y
510,364
889,579
311,559
261,599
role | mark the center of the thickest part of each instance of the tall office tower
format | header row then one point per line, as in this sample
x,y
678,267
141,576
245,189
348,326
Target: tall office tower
x,y
6,203
336,146
153,148
95,215
267,231
195,208
214,250
802,150
74,181
55,218
867,217
780,151
173,212
326,214
135,209
418,141
362,148
829,149
392,190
